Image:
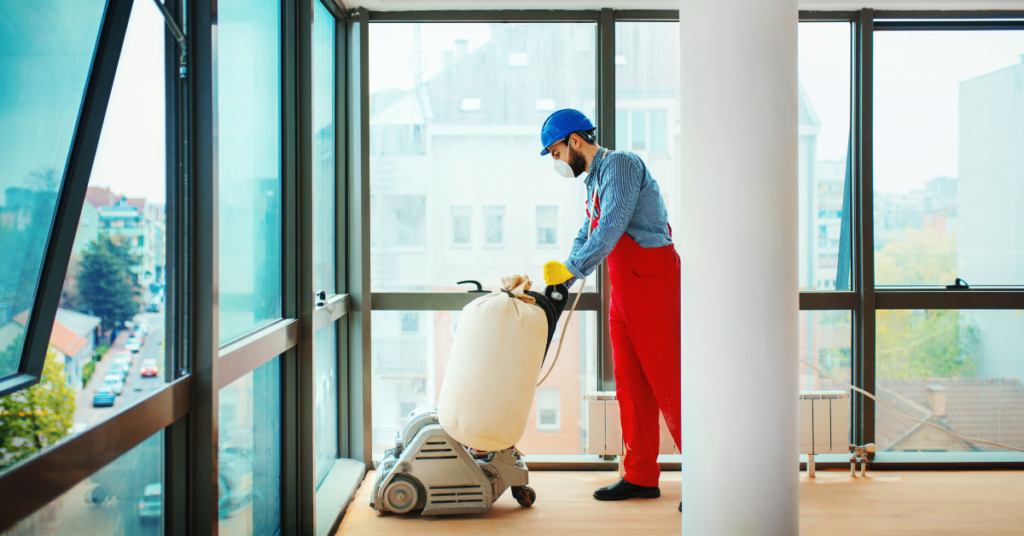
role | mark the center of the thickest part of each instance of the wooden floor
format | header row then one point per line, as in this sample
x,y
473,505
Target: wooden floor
x,y
834,504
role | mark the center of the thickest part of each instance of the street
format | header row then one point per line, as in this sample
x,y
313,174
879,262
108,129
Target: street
x,y
135,388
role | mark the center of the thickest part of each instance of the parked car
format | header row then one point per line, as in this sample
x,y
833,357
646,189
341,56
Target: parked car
x,y
114,381
133,344
142,326
121,365
153,308
150,505
103,396
125,354
149,368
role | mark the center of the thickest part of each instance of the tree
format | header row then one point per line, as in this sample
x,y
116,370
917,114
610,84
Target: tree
x,y
37,417
104,282
923,344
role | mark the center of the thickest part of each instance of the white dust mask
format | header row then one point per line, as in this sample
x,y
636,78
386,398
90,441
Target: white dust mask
x,y
562,167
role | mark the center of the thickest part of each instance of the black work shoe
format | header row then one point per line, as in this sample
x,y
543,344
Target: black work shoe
x,y
623,490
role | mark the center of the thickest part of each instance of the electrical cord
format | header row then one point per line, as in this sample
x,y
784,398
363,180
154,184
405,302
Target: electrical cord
x,y
908,417
561,338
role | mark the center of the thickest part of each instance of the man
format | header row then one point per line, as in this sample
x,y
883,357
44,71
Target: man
x,y
627,224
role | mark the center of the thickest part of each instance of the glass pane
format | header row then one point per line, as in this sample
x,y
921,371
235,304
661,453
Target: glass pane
x,y
948,168
124,498
826,340
824,131
547,225
46,48
323,148
107,340
647,102
960,370
249,459
326,404
410,355
249,164
455,118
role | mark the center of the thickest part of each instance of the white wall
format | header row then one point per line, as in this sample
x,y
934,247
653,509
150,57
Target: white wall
x,y
738,244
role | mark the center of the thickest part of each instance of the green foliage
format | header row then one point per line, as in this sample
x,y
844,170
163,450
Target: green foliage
x,y
100,351
87,371
105,282
926,344
34,418
923,344
917,257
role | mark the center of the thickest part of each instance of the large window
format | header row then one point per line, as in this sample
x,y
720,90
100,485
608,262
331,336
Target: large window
x,y
949,170
958,369
647,101
456,111
45,52
824,131
249,453
107,342
249,164
125,497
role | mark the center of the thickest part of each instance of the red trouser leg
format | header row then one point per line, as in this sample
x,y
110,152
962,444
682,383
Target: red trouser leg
x,y
645,331
657,341
638,407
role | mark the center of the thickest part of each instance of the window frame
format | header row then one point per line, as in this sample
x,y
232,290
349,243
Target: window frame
x,y
70,196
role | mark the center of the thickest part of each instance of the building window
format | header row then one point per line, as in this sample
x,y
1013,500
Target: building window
x,y
462,219
547,225
405,220
638,131
549,418
410,322
494,220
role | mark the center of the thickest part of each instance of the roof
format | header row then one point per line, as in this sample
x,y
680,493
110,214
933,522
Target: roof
x,y
66,341
101,197
984,408
79,323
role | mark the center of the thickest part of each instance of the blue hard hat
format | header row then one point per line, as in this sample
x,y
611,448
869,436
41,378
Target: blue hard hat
x,y
560,124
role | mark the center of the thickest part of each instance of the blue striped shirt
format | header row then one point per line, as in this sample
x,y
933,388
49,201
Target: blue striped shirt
x,y
629,201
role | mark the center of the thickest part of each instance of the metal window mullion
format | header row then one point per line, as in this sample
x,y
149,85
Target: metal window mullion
x,y
358,156
294,499
176,436
863,369
203,271
341,241
455,301
646,15
71,197
301,75
949,299
606,138
882,14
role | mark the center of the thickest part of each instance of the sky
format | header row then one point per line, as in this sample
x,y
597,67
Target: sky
x,y
917,77
130,156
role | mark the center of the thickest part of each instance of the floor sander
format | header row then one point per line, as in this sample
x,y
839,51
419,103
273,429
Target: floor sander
x,y
428,470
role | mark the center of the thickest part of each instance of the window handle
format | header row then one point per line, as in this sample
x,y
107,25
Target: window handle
x,y
321,298
959,285
479,287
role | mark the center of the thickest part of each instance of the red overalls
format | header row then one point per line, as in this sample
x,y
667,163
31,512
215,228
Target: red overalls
x,y
645,331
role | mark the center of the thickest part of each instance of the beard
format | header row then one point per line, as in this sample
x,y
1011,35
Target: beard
x,y
576,162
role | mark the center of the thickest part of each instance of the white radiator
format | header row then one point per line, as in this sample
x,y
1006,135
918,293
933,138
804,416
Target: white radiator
x,y
604,431
824,424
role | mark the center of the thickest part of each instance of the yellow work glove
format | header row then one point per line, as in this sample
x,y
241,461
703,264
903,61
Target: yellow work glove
x,y
556,273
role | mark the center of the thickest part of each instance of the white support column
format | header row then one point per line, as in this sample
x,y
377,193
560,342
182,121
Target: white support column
x,y
738,244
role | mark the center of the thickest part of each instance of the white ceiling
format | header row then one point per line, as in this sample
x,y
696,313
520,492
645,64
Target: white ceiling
x,y
403,5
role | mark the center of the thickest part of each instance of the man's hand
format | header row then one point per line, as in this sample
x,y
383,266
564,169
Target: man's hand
x,y
556,273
